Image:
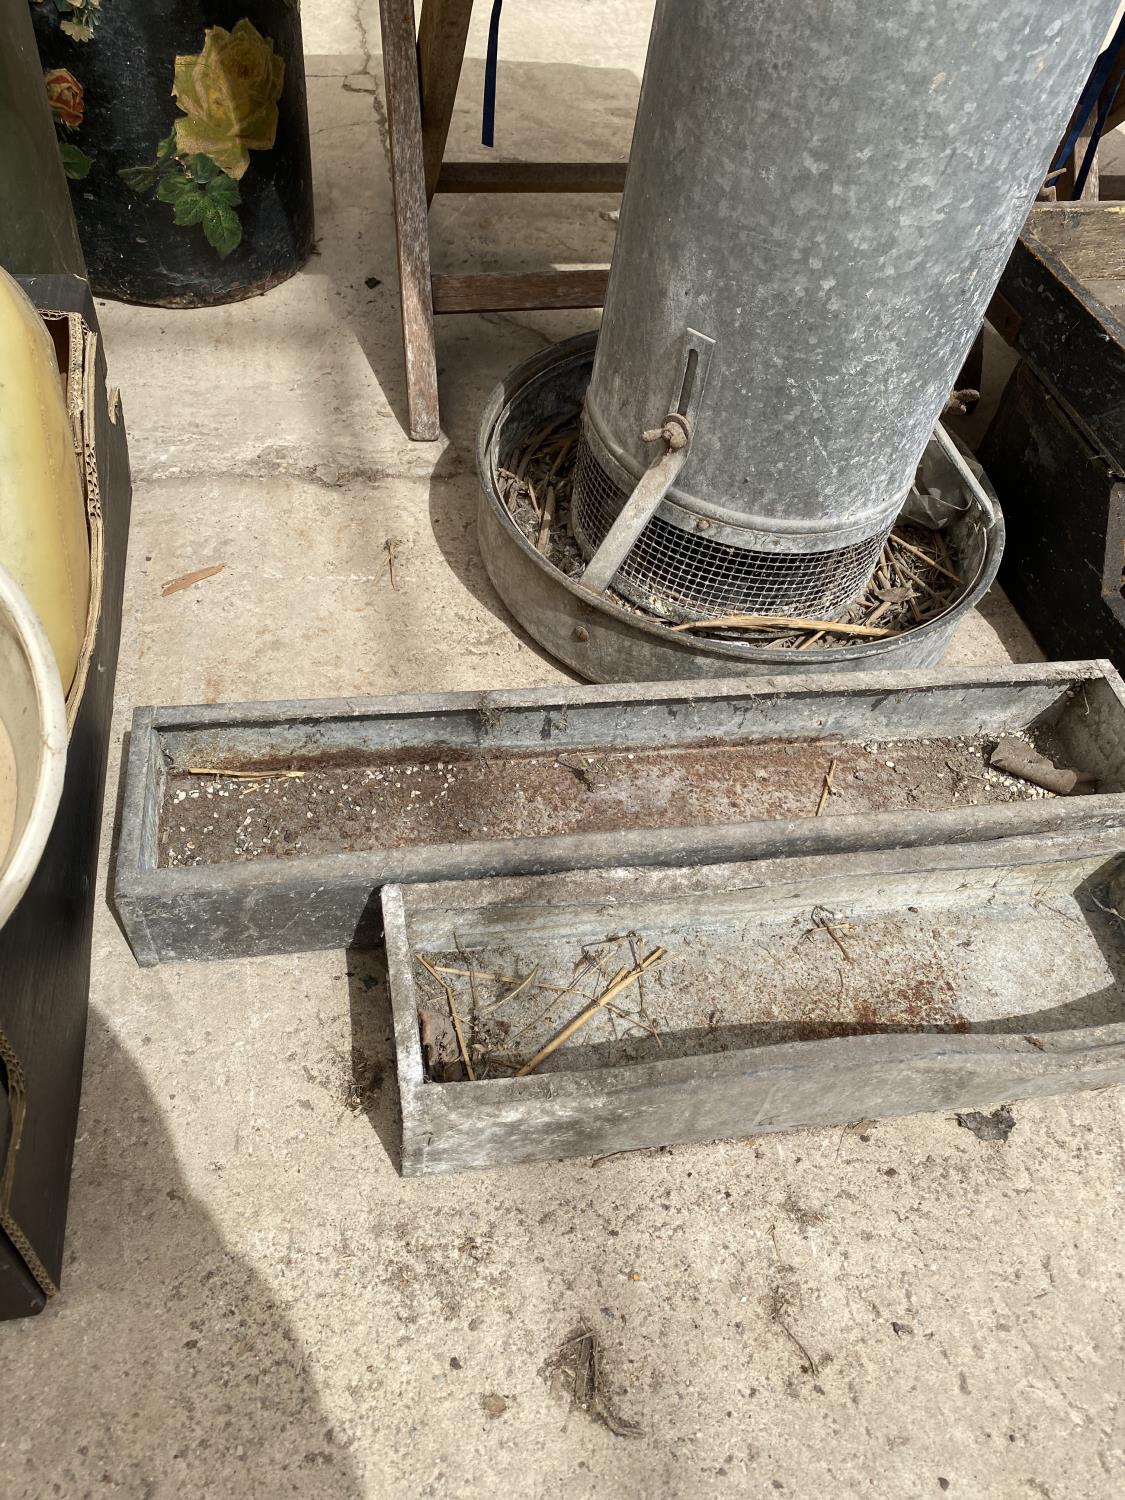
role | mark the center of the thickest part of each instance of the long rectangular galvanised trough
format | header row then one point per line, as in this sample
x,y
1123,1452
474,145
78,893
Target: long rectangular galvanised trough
x,y
218,859
791,993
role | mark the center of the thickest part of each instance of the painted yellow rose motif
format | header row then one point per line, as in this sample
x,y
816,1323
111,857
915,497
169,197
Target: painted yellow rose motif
x,y
229,93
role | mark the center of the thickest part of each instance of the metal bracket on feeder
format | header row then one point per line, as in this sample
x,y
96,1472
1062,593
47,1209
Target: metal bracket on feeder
x,y
675,433
968,478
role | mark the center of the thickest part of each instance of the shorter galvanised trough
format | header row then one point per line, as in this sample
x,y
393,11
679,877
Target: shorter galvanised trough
x,y
271,827
784,993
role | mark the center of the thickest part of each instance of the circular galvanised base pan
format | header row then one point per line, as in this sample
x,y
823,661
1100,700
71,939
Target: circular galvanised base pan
x,y
605,642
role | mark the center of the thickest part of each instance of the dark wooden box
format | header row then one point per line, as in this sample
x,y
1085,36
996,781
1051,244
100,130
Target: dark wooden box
x,y
1055,452
1061,306
1064,504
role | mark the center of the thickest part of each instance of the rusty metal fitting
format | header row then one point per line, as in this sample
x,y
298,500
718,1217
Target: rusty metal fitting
x,y
676,432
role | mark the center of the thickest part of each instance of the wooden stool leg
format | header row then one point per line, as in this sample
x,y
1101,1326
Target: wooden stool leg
x,y
972,371
412,229
442,33
1064,183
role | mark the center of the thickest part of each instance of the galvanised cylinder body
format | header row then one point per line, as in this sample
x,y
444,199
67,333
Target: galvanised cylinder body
x,y
829,190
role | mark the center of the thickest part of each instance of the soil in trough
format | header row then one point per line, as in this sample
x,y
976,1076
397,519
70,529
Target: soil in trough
x,y
445,797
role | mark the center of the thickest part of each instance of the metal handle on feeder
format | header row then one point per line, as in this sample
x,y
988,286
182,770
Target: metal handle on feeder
x,y
641,505
676,434
971,482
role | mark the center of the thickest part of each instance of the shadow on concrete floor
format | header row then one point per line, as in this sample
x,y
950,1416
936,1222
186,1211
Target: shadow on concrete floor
x,y
454,499
181,1337
374,1088
1013,635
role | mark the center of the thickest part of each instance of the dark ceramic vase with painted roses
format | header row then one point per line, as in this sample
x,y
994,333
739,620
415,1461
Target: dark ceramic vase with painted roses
x,y
183,130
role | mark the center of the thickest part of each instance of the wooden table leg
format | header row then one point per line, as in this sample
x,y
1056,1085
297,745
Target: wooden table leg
x,y
442,33
412,229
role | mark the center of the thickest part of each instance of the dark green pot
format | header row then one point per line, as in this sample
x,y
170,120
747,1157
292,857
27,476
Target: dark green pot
x,y
184,132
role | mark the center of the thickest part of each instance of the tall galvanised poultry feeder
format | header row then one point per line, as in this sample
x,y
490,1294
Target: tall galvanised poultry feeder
x,y
820,200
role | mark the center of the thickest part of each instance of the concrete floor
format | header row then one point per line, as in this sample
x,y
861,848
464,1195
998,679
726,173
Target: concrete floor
x,y
254,1304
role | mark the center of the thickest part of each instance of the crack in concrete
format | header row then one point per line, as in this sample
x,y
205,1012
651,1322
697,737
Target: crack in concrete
x,y
381,124
368,71
500,317
339,124
365,47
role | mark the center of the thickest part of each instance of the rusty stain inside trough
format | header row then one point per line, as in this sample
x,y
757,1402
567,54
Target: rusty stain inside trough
x,y
400,798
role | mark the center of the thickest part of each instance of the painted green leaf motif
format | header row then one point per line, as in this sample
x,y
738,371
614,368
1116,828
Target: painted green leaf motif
x,y
174,186
221,226
224,189
190,208
203,168
166,147
77,18
76,164
140,179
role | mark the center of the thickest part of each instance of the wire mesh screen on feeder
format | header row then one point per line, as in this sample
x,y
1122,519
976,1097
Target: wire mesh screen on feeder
x,y
677,571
